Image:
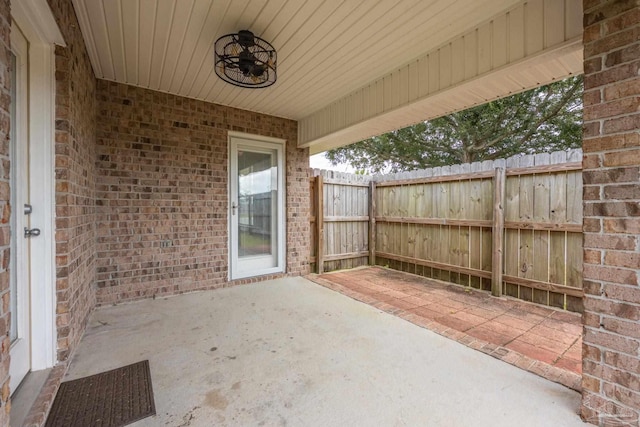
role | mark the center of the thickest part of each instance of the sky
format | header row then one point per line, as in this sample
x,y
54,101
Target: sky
x,y
318,161
261,182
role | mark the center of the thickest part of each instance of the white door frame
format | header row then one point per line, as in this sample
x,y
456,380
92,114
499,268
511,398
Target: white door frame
x,y
20,318
36,21
258,141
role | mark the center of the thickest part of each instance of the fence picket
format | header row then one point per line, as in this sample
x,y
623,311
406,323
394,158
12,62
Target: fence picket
x,y
437,222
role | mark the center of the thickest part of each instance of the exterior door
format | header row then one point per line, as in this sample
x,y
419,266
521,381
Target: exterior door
x,y
256,207
20,332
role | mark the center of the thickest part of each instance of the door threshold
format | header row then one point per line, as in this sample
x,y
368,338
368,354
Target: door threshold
x,y
26,394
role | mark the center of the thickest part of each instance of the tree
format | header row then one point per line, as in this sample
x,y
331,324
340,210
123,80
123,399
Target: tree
x,y
545,119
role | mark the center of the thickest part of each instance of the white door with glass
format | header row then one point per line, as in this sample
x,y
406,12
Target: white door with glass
x,y
256,217
20,332
34,34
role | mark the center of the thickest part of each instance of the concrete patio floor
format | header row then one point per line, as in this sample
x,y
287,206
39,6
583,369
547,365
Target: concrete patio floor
x,y
291,352
543,340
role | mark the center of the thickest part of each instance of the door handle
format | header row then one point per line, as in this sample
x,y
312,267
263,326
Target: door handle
x,y
233,208
33,232
28,209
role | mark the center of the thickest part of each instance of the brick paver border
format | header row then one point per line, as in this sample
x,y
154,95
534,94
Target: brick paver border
x,y
542,369
37,415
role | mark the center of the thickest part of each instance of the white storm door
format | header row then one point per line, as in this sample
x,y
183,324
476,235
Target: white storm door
x,y
20,332
256,217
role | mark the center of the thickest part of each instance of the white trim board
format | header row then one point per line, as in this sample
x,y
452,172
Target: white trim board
x,y
35,19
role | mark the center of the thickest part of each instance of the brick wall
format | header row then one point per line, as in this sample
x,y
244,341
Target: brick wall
x,y
162,162
5,209
611,350
75,181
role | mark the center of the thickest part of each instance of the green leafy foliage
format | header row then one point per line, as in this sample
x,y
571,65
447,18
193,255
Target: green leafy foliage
x,y
545,119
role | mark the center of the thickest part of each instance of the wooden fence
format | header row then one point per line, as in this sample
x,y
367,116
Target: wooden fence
x,y
341,234
510,226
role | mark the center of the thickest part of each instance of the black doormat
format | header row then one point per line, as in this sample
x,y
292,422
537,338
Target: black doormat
x,y
109,399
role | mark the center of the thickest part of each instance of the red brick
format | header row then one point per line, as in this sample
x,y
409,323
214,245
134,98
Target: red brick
x,y
608,241
623,158
5,195
623,259
622,361
592,97
593,65
592,256
628,18
622,293
612,75
622,191
592,367
613,42
588,414
591,319
622,395
605,412
590,5
625,123
630,174
612,142
598,10
591,161
607,307
625,328
590,383
612,209
622,225
591,33
590,130
611,274
613,108
591,192
591,225
626,54
611,341
590,352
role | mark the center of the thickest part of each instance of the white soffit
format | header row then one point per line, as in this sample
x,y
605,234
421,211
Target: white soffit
x,y
532,44
326,48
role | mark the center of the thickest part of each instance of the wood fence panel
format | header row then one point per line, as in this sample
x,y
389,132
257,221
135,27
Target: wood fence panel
x,y
512,236
497,229
574,240
345,220
321,243
314,224
475,233
438,223
541,211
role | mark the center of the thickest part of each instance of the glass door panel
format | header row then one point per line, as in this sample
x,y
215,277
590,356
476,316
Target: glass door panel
x,y
257,194
256,212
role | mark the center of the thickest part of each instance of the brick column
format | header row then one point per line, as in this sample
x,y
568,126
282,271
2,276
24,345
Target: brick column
x,y
5,208
611,174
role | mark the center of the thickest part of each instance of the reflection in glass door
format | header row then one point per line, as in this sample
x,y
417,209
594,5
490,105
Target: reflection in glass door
x,y
257,209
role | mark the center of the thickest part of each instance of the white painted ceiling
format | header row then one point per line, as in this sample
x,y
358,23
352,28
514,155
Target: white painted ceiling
x,y
326,48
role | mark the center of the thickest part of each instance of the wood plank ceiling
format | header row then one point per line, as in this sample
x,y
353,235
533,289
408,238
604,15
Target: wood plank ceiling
x,y
326,48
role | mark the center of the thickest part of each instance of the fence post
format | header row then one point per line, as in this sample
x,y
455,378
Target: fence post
x,y
498,231
320,224
372,223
